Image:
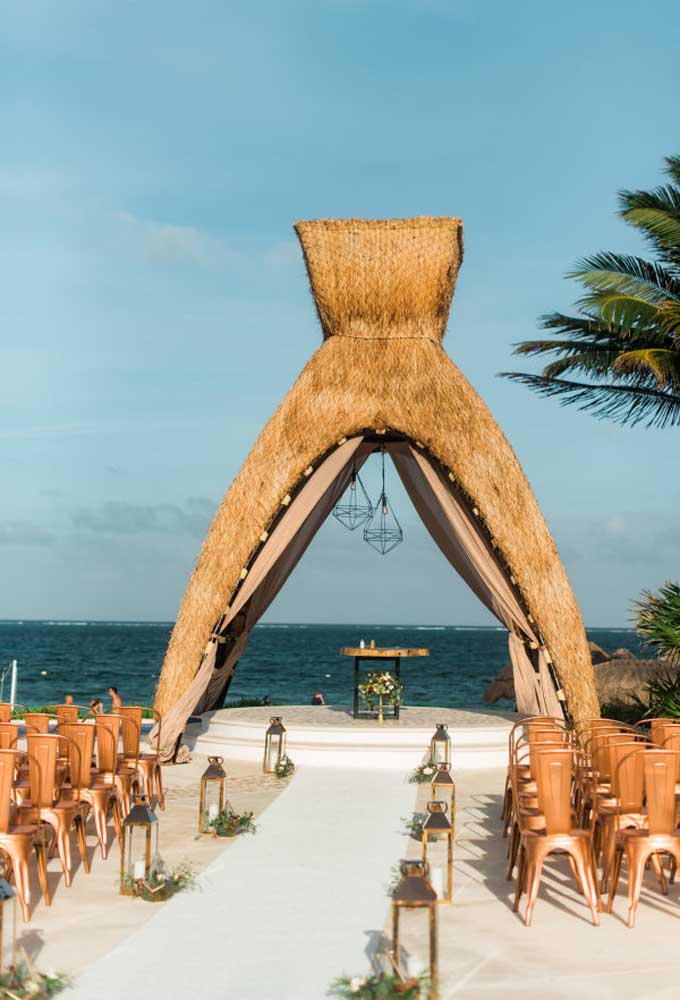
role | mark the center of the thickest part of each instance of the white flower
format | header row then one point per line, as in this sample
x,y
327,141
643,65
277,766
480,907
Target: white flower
x,y
356,983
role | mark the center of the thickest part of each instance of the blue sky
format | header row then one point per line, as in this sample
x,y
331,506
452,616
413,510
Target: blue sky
x,y
153,302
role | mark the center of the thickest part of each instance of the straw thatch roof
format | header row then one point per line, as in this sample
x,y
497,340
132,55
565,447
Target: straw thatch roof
x,y
382,290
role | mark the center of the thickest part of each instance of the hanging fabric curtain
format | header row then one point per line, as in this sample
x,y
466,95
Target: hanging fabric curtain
x,y
458,536
272,567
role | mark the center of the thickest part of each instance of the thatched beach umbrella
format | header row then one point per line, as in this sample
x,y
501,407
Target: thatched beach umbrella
x,y
382,291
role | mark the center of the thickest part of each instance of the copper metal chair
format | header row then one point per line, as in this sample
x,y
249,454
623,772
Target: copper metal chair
x,y
121,769
39,722
554,771
17,840
46,803
148,762
9,736
66,714
661,836
95,788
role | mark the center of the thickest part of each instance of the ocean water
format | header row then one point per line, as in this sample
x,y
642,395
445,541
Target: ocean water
x,y
287,662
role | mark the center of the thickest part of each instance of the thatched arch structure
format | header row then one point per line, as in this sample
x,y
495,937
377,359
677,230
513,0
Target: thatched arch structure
x,y
382,290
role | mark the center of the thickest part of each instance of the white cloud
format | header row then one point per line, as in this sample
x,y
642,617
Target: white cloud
x,y
167,240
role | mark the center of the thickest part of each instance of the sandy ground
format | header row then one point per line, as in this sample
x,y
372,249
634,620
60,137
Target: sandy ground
x,y
88,919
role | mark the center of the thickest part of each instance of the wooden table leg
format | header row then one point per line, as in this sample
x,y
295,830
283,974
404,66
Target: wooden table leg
x,y
356,687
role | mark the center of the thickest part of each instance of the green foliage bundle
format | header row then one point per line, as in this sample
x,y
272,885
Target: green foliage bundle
x,y
230,823
379,986
284,767
423,773
24,982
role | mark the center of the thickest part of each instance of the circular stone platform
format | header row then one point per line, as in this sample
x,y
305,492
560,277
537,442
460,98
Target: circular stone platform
x,y
328,736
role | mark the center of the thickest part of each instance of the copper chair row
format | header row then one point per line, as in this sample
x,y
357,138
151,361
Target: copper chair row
x,y
602,790
48,791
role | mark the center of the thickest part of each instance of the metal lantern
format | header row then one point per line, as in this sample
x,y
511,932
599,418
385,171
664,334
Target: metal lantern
x,y
437,824
139,847
211,800
414,892
442,782
8,926
274,745
440,745
384,532
357,509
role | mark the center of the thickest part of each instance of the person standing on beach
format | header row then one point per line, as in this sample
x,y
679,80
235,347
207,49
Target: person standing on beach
x,y
116,700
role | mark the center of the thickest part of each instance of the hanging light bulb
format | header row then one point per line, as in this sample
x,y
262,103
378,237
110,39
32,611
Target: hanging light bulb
x,y
357,508
384,533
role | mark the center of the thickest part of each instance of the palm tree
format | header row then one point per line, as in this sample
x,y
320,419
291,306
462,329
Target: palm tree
x,y
657,620
625,340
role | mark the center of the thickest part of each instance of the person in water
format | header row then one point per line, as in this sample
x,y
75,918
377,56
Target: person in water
x,y
318,699
97,705
116,700
68,700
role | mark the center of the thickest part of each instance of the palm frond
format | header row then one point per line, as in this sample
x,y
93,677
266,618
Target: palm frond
x,y
627,404
664,365
673,168
657,214
627,275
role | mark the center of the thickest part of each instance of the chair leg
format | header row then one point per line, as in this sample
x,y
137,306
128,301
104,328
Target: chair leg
x,y
82,843
521,878
533,877
41,857
658,869
637,860
614,878
513,848
158,778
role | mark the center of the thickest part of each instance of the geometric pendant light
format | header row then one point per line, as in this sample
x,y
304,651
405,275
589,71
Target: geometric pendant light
x,y
384,532
357,508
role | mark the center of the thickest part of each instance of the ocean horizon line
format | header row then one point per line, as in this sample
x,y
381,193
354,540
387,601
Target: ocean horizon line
x,y
290,624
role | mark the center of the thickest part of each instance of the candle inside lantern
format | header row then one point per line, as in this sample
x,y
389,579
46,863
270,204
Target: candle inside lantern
x,y
138,870
213,811
414,966
437,881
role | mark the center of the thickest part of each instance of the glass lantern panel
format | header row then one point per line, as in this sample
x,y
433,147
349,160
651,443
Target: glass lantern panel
x,y
440,750
273,752
213,797
135,860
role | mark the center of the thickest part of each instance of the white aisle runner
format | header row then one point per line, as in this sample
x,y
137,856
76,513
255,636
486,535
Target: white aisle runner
x,y
279,914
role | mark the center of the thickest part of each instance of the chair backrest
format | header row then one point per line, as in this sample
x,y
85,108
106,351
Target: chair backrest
x,y
5,711
8,765
38,721
66,714
542,739
131,730
660,767
108,733
9,734
554,771
81,737
601,755
42,750
655,726
628,778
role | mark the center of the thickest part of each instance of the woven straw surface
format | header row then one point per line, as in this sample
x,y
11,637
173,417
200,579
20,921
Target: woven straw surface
x,y
368,375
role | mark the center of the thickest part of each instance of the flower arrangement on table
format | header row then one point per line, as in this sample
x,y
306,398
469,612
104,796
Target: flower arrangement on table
x,y
379,986
381,685
284,767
